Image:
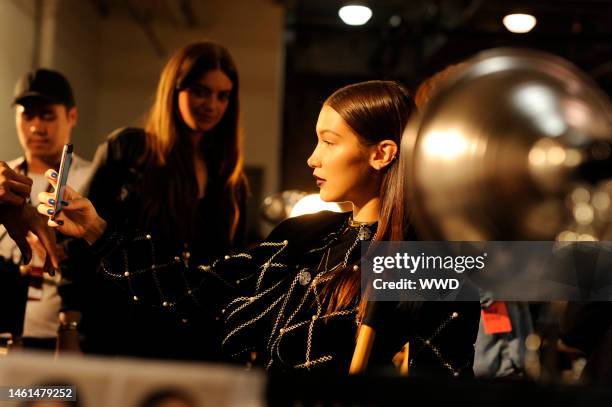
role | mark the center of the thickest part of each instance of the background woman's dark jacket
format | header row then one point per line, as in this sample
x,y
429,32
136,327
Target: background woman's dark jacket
x,y
116,324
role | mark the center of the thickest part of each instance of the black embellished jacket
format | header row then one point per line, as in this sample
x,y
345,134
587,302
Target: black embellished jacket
x,y
115,323
269,299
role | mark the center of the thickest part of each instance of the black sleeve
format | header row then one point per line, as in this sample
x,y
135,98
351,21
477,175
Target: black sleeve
x,y
115,166
584,324
13,297
240,238
139,265
111,167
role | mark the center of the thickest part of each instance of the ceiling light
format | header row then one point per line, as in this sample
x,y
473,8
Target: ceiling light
x,y
519,23
355,15
395,20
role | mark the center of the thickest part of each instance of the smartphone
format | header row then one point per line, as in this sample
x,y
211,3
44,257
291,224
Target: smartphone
x,y
62,178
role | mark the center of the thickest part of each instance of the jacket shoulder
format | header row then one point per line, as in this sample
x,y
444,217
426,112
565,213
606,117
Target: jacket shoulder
x,y
126,144
308,227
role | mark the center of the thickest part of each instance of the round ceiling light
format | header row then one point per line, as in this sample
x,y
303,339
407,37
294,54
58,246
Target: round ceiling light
x,y
519,23
355,15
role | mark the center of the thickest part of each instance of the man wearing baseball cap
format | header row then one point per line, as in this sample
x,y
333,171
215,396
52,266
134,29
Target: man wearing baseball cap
x,y
45,114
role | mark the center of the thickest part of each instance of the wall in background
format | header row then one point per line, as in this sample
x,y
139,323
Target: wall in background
x,y
16,46
114,67
76,54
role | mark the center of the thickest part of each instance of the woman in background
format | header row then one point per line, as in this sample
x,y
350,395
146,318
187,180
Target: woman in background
x,y
180,180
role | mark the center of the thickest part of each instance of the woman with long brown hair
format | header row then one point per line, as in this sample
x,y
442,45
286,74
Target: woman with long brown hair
x,y
293,302
180,181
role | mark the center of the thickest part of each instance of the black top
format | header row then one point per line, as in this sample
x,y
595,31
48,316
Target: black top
x,y
588,327
268,300
113,323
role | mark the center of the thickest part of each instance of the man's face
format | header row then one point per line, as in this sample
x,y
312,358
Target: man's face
x,y
44,128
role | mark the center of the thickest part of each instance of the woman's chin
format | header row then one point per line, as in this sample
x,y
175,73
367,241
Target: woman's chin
x,y
328,198
323,196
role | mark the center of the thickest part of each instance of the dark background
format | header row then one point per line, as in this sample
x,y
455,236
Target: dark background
x,y
323,54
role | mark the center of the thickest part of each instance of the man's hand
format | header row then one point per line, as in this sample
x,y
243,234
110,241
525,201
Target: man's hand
x,y
39,251
14,188
18,221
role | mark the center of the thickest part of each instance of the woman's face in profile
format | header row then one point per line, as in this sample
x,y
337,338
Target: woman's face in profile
x,y
203,104
340,162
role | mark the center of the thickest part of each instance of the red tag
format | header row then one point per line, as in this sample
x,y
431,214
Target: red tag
x,y
495,318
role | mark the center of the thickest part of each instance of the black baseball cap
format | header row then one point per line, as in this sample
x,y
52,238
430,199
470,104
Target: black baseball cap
x,y
44,84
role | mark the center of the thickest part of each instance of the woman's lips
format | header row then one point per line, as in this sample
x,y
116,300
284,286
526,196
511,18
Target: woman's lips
x,y
320,181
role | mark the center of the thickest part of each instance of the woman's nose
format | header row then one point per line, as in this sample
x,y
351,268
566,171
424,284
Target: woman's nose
x,y
209,102
313,161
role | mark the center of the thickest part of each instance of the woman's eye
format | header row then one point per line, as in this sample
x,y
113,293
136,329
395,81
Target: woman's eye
x,y
329,143
199,91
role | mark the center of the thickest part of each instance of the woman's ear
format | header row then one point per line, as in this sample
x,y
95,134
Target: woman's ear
x,y
383,154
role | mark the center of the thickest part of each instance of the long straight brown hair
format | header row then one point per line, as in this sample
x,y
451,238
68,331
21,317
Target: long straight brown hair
x,y
171,153
376,111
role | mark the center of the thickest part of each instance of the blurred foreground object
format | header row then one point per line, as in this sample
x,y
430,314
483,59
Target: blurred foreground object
x,y
516,145
503,145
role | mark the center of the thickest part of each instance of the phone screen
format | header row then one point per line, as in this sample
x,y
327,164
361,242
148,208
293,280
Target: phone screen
x,y
62,178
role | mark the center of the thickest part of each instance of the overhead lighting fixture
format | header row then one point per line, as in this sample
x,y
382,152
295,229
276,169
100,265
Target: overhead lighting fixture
x,y
395,20
519,23
355,14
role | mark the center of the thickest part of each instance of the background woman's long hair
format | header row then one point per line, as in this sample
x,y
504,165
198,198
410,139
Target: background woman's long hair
x,y
376,111
171,182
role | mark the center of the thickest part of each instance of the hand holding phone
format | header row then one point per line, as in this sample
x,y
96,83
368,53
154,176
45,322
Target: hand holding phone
x,y
62,178
80,220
